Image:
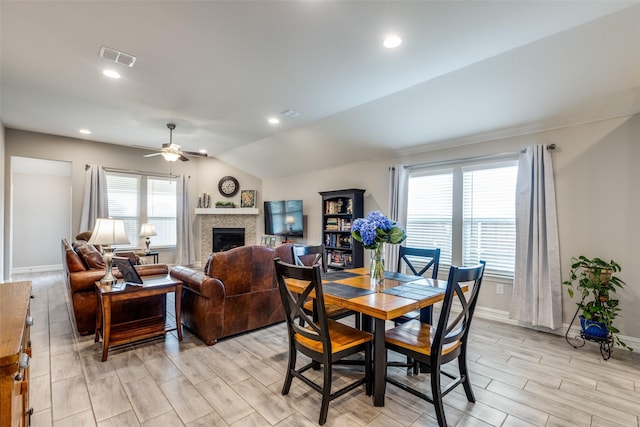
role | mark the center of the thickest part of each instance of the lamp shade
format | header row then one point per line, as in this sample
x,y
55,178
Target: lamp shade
x,y
108,231
148,230
290,220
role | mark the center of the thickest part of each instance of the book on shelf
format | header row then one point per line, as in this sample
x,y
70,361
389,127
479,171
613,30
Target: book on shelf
x,y
337,258
338,206
337,240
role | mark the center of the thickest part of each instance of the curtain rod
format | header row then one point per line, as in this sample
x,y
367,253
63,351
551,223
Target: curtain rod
x,y
466,159
132,171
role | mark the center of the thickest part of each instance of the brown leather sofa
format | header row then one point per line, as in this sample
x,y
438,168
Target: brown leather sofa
x,y
236,292
83,266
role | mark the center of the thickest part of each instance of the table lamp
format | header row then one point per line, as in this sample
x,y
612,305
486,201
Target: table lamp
x,y
108,232
147,230
289,221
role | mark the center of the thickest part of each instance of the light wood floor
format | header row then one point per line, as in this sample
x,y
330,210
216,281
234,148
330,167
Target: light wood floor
x,y
520,378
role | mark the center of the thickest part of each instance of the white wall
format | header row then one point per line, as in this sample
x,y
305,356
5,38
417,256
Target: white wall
x,y
3,228
597,175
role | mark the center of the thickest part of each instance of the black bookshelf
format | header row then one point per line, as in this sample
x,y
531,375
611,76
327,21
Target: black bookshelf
x,y
339,209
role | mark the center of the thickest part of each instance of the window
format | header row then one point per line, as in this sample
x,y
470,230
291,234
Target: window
x,y
139,199
466,210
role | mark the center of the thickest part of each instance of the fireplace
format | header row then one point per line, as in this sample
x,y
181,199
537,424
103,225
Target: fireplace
x,y
227,238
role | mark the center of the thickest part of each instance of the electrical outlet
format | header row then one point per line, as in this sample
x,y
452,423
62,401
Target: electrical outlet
x,y
500,288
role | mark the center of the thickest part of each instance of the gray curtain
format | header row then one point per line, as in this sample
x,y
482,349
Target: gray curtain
x,y
185,253
95,203
398,180
537,286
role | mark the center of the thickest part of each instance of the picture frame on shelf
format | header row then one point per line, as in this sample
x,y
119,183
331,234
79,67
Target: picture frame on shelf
x,y
268,240
248,198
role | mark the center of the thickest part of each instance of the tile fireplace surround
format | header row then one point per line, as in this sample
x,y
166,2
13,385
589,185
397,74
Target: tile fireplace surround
x,y
227,220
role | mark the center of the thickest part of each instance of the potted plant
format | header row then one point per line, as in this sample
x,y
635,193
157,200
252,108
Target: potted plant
x,y
593,280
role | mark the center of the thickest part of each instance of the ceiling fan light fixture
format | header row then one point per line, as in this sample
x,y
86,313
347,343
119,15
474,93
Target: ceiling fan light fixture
x,y
170,157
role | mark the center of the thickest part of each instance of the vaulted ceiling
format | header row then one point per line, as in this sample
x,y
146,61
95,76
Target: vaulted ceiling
x,y
466,71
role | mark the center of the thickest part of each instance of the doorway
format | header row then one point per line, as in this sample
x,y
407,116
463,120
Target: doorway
x,y
40,213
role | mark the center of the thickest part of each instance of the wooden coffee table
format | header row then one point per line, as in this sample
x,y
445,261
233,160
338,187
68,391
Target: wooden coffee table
x,y
124,333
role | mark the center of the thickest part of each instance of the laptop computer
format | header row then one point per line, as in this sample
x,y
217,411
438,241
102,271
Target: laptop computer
x,y
128,270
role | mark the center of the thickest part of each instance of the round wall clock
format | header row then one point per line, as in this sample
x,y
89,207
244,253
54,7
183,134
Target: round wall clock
x,y
228,186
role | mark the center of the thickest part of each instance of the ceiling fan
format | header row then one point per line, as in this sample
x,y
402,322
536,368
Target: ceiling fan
x,y
172,152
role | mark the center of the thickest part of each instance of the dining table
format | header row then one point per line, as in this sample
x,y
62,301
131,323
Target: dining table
x,y
398,294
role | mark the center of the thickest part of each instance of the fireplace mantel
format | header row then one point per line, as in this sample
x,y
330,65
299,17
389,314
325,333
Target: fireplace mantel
x,y
227,211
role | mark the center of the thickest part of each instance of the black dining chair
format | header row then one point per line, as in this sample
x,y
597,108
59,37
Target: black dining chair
x,y
444,343
323,340
311,255
431,259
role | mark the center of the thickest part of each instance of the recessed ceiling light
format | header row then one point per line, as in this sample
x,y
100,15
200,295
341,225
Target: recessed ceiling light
x,y
85,131
111,74
273,120
392,42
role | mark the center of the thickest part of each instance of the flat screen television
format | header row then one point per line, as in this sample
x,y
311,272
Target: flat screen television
x,y
276,214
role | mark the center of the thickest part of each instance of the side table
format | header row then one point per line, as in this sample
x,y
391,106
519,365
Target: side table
x,y
125,333
153,254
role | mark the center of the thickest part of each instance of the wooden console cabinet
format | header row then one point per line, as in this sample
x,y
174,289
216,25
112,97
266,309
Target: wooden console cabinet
x,y
15,354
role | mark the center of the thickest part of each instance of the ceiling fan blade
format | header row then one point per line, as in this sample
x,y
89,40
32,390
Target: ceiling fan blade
x,y
195,153
183,158
151,155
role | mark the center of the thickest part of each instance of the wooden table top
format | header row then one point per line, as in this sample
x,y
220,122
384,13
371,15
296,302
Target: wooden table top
x,y
399,294
148,282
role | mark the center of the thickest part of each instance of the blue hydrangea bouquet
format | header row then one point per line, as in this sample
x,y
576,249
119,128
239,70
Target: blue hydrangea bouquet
x,y
373,232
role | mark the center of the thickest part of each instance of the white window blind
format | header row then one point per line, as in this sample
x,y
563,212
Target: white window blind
x,y
161,209
430,213
139,199
123,193
466,210
489,223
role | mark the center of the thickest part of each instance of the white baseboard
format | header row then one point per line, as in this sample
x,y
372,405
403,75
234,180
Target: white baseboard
x,y
36,269
503,317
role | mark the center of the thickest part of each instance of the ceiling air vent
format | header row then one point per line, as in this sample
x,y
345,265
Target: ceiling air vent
x,y
117,56
291,114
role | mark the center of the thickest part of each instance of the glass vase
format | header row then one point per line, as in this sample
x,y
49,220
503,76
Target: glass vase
x,y
377,266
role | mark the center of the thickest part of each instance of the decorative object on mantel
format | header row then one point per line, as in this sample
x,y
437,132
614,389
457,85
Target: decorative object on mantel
x,y
248,199
596,285
204,200
220,204
373,232
148,230
228,186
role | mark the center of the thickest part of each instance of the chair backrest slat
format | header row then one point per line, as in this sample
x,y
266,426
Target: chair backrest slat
x,y
316,330
302,256
432,255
